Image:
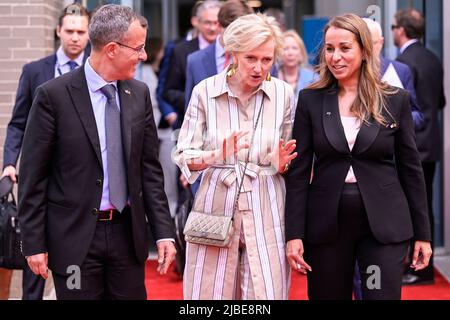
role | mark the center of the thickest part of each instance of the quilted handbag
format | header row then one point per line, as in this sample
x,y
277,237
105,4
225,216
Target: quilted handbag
x,y
209,229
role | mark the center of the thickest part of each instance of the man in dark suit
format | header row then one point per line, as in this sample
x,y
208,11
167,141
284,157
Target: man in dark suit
x,y
208,29
407,30
90,179
395,73
72,30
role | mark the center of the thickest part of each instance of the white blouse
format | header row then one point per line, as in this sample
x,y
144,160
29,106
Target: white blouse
x,y
351,128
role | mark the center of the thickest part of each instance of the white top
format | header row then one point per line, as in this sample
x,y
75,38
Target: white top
x,y
351,128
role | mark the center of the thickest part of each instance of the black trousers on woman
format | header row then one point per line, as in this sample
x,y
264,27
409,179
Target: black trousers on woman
x,y
333,264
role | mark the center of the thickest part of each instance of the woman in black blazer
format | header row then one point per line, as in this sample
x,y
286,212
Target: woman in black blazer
x,y
366,197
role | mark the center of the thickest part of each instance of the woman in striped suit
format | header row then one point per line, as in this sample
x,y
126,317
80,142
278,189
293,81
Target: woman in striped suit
x,y
240,109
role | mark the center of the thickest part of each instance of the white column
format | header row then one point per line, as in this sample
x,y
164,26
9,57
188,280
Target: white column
x,y
446,160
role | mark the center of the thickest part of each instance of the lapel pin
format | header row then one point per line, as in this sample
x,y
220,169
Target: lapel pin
x,y
128,92
328,113
393,125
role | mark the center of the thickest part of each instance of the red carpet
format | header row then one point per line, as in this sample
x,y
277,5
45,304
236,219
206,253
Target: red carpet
x,y
169,287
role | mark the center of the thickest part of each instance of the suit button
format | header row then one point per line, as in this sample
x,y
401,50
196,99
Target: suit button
x,y
99,182
94,211
349,157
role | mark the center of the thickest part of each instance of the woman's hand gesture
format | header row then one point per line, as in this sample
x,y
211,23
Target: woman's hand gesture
x,y
283,155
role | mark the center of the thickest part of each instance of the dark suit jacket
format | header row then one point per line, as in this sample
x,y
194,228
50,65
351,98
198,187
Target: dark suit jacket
x,y
201,64
61,171
165,107
176,78
33,75
428,82
385,162
406,77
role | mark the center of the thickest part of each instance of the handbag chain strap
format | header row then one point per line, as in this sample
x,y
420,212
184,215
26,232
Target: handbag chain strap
x,y
238,191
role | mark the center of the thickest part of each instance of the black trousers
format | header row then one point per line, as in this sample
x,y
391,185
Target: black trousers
x,y
32,285
429,169
110,270
333,264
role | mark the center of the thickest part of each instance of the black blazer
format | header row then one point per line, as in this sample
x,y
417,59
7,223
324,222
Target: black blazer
x,y
33,75
61,171
385,162
428,82
174,86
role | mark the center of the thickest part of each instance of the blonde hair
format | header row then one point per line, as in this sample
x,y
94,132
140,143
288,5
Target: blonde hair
x,y
250,31
370,101
294,35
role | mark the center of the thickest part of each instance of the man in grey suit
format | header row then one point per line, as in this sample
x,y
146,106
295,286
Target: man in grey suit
x,y
90,179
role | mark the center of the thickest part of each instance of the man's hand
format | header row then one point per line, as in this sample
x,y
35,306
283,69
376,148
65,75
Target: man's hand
x,y
166,255
421,256
171,118
39,264
184,181
10,171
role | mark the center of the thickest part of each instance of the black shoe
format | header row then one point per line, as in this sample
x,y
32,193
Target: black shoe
x,y
411,280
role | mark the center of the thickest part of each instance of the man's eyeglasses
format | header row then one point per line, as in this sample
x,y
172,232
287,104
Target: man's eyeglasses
x,y
138,50
394,26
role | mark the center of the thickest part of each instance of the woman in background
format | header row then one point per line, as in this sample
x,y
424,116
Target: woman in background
x,y
294,63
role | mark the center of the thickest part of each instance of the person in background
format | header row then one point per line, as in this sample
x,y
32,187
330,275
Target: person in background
x,y
168,119
279,16
395,73
211,60
367,198
150,70
294,63
240,108
407,30
168,113
398,75
208,30
72,31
